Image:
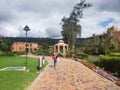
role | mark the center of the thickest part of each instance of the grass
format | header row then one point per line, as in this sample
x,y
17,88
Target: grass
x,y
92,59
17,80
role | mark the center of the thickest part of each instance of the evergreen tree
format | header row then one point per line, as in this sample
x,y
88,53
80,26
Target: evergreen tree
x,y
70,26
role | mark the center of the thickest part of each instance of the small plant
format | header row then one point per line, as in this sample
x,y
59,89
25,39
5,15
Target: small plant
x,y
82,54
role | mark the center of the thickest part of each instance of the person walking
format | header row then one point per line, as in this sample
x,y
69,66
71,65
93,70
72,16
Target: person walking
x,y
53,59
56,61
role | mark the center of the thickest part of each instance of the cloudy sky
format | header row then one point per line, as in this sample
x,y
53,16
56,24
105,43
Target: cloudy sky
x,y
44,17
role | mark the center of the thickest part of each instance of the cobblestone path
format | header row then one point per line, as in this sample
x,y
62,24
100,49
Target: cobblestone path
x,y
71,75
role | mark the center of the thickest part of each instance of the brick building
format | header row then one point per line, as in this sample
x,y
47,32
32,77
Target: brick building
x,y
112,32
21,46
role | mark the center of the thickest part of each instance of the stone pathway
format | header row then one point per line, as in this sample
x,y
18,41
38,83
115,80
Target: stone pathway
x,y
71,75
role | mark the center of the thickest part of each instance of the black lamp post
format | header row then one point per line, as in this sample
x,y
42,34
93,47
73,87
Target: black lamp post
x,y
26,28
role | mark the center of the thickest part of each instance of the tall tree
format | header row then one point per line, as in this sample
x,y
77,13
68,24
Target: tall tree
x,y
70,26
70,31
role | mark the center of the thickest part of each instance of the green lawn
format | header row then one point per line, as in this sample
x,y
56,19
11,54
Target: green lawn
x,y
17,80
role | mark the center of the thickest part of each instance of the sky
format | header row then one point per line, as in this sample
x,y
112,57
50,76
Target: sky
x,y
44,17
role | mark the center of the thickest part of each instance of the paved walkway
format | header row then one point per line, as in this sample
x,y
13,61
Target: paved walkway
x,y
71,75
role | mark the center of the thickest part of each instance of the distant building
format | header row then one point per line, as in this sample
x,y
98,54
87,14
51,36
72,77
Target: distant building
x,y
61,47
112,32
21,47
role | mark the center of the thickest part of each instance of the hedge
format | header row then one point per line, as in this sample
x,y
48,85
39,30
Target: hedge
x,y
82,54
110,64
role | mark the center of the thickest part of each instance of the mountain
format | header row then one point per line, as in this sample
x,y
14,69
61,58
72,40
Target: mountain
x,y
40,41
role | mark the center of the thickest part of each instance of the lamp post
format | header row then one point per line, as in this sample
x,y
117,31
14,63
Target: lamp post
x,y
26,29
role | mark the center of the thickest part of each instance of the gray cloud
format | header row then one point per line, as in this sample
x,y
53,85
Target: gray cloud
x,y
5,17
110,5
46,7
53,32
36,13
44,16
5,12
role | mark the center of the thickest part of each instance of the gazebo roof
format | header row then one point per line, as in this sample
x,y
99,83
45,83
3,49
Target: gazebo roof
x,y
61,43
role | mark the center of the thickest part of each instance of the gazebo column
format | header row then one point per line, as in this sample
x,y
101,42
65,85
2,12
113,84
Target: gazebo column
x,y
67,47
58,49
64,50
54,49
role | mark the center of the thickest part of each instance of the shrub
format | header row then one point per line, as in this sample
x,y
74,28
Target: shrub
x,y
89,60
115,54
38,53
110,63
61,54
118,50
6,54
82,54
69,54
1,53
19,53
10,54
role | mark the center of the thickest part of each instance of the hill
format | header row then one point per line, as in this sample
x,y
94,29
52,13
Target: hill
x,y
40,41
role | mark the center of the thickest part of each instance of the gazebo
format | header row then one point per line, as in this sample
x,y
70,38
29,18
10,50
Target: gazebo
x,y
61,47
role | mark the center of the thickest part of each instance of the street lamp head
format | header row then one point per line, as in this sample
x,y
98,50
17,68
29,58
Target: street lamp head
x,y
26,28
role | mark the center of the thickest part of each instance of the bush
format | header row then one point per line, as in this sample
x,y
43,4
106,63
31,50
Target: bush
x,y
6,54
69,54
38,53
61,54
110,63
19,53
102,57
118,50
10,54
1,53
82,54
115,54
89,60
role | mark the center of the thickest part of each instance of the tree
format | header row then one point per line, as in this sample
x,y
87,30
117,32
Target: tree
x,y
92,45
105,45
70,26
3,45
70,31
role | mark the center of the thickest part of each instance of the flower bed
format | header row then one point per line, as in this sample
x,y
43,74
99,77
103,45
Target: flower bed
x,y
102,72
